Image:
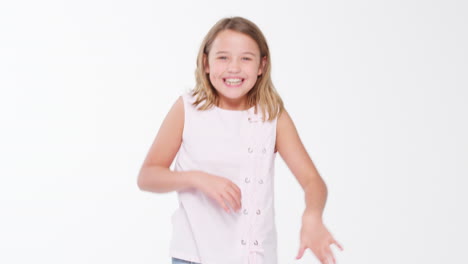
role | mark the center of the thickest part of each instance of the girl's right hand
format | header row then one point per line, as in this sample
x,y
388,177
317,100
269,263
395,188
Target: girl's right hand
x,y
220,189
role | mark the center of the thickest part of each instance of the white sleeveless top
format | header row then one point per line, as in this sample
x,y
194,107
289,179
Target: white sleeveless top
x,y
236,145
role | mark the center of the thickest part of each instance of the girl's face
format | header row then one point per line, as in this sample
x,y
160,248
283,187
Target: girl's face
x,y
234,65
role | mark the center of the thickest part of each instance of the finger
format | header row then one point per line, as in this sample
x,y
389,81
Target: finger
x,y
220,201
301,251
237,189
337,244
322,256
236,195
229,196
329,255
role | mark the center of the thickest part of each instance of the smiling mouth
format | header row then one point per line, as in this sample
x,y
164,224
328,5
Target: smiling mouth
x,y
233,81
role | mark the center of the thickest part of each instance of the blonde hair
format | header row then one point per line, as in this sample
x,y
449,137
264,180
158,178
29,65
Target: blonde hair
x,y
263,94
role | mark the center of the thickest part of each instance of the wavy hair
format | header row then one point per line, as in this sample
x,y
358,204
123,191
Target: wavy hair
x,y
263,94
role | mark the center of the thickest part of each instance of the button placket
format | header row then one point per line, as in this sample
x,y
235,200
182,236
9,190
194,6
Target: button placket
x,y
247,180
256,154
261,174
250,152
260,171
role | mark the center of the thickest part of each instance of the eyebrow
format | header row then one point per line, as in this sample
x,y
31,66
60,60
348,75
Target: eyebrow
x,y
247,52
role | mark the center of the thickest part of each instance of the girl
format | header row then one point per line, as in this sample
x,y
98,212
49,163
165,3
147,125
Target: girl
x,y
226,133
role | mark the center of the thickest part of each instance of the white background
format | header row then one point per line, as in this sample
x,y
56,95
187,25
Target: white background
x,y
377,90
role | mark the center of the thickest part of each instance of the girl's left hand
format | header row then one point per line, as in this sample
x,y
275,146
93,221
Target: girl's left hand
x,y
315,236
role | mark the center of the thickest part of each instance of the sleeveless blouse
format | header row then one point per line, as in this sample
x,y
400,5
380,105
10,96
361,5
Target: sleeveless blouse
x,y
239,146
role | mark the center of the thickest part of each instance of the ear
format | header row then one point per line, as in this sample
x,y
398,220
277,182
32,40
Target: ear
x,y
263,62
205,63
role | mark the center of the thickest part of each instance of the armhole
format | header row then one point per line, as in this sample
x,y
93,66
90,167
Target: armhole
x,y
276,130
186,109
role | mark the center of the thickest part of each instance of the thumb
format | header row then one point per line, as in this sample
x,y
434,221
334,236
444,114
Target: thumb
x,y
301,251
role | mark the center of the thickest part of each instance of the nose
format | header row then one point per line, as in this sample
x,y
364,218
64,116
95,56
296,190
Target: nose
x,y
233,66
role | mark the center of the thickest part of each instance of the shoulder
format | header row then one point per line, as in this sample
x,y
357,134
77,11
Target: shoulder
x,y
178,107
284,120
292,150
176,115
169,137
188,96
285,130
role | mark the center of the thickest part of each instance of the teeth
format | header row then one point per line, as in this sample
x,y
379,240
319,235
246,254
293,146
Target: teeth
x,y
233,81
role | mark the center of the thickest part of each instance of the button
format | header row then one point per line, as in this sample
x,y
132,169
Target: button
x,y
264,150
247,180
245,211
252,120
260,181
258,211
256,243
243,242
250,150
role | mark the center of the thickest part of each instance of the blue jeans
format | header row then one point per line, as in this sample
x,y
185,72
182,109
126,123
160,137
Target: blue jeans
x,y
181,261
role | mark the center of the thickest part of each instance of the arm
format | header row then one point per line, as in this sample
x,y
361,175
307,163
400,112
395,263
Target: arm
x,y
155,175
314,235
295,156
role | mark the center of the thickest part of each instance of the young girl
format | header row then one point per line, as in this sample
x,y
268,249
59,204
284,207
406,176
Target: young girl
x,y
226,133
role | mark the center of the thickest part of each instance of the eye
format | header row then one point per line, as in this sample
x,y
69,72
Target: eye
x,y
222,58
246,58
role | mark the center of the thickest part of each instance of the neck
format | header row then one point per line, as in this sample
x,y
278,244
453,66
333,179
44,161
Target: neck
x,y
229,104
